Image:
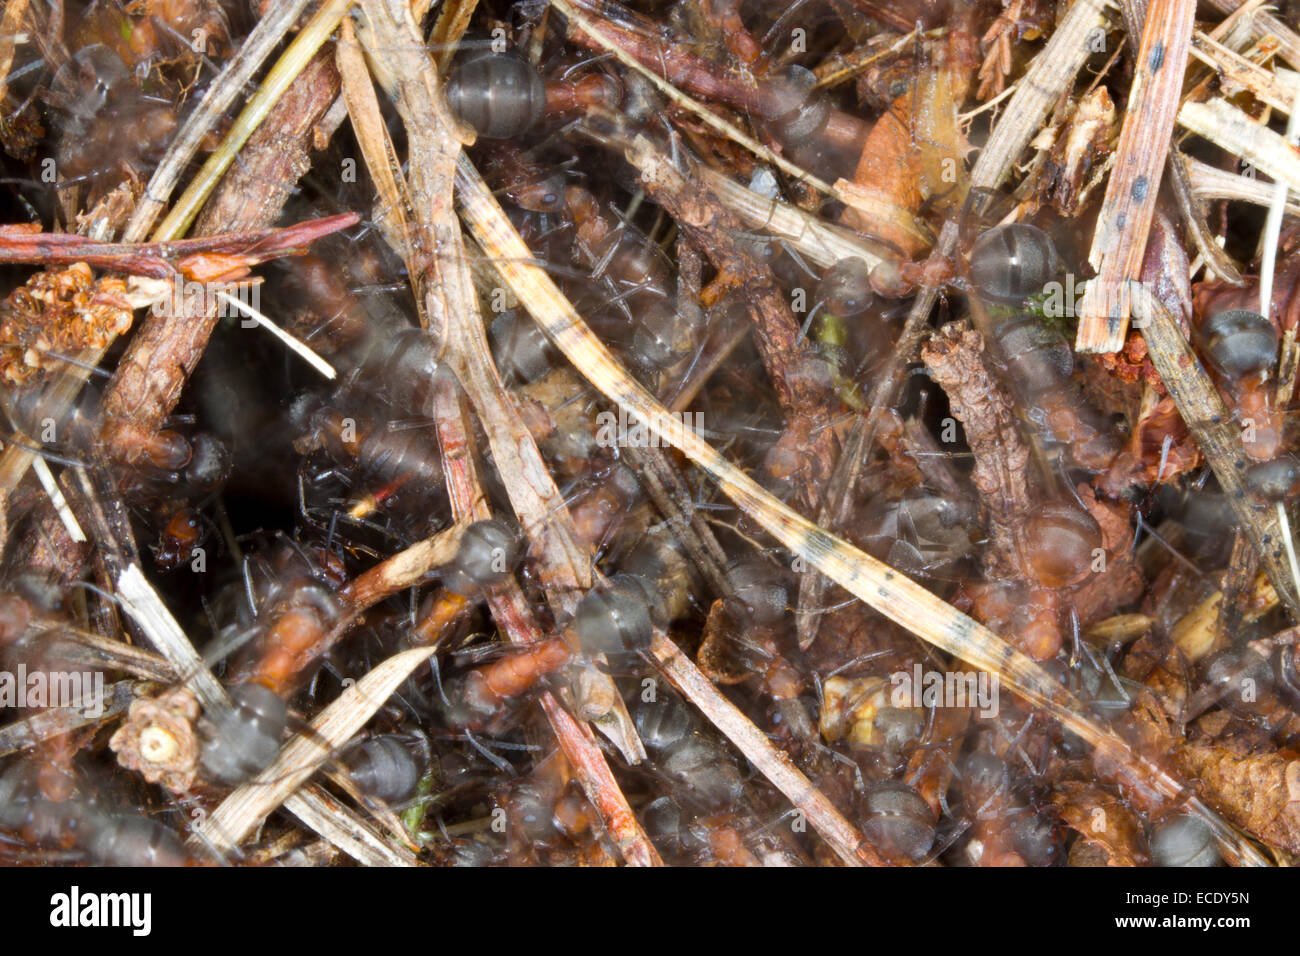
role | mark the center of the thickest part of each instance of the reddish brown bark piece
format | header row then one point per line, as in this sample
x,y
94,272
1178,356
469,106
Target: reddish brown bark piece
x,y
955,359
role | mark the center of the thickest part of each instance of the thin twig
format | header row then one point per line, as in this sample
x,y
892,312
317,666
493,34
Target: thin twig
x,y
403,570
453,313
229,251
16,459
1209,182
164,351
511,612
867,205
294,59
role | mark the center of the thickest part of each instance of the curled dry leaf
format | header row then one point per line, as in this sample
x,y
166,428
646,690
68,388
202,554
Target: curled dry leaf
x,y
1160,449
1260,793
914,154
1084,143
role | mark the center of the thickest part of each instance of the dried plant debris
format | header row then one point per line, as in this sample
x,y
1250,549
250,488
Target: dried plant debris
x,y
158,740
422,462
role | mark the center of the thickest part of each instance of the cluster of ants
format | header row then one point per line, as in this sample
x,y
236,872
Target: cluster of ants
x,y
268,492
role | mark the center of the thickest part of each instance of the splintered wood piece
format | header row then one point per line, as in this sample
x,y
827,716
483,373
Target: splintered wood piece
x,y
345,828
1235,131
890,593
1277,89
955,358
1263,25
1120,240
1050,73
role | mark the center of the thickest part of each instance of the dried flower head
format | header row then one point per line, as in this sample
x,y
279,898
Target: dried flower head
x,y
158,739
56,313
